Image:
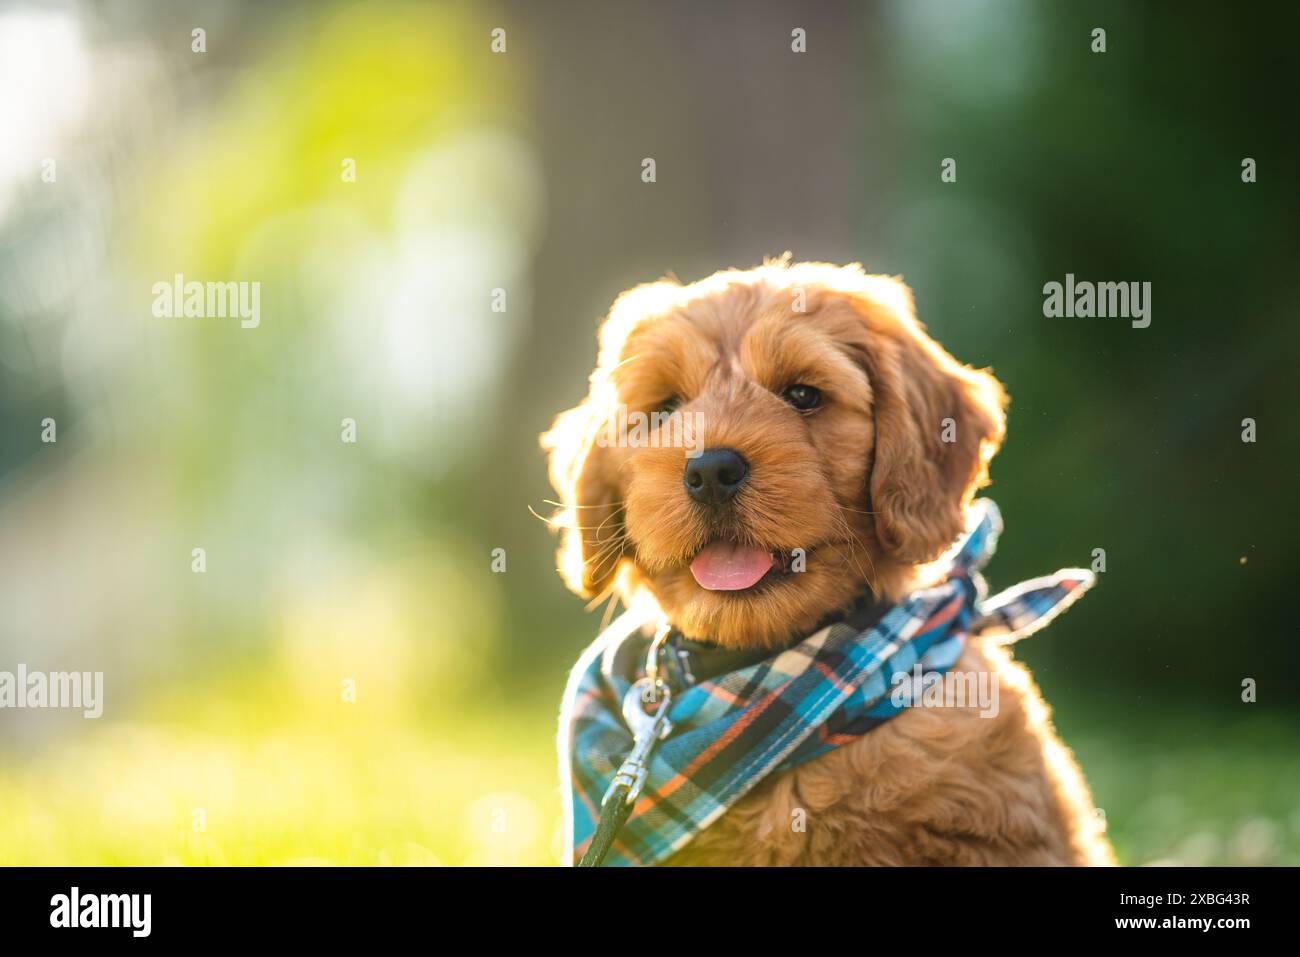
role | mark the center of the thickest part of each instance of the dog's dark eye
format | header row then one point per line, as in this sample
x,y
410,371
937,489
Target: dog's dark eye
x,y
802,397
669,405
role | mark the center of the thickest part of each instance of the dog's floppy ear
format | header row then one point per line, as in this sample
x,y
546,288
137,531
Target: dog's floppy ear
x,y
590,518
937,425
583,468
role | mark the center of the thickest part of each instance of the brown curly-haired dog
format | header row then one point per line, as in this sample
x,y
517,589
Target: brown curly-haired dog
x,y
825,402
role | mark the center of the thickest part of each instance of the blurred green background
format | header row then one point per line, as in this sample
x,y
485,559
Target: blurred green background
x,y
226,738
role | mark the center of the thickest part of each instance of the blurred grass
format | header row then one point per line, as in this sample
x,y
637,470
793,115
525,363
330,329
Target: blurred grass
x,y
1183,786
280,783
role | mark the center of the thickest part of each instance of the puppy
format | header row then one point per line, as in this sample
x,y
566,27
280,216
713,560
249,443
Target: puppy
x,y
836,432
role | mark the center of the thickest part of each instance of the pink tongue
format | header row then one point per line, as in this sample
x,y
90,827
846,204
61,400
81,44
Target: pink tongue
x,y
724,566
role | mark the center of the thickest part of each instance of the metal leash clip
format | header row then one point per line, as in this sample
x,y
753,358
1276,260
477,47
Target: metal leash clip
x,y
648,726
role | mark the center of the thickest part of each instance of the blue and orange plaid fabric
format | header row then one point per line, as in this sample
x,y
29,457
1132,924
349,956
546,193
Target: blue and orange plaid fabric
x,y
732,731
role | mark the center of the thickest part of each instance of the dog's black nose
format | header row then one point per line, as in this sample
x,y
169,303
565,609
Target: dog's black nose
x,y
715,476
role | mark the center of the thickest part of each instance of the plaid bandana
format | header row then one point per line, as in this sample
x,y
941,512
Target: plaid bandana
x,y
732,731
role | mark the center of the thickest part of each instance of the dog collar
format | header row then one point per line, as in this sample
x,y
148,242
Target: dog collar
x,y
752,719
689,662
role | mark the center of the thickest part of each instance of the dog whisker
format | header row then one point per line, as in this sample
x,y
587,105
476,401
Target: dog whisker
x,y
611,548
547,501
554,521
853,553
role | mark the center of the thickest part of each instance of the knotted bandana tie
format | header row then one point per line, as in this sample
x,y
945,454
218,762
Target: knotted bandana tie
x,y
733,730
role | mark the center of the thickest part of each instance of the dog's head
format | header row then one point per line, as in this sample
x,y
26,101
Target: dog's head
x,y
758,448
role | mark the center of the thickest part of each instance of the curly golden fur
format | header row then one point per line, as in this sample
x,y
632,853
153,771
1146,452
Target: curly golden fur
x,y
870,486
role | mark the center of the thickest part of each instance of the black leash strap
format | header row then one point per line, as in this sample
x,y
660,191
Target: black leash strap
x,y
614,813
647,728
